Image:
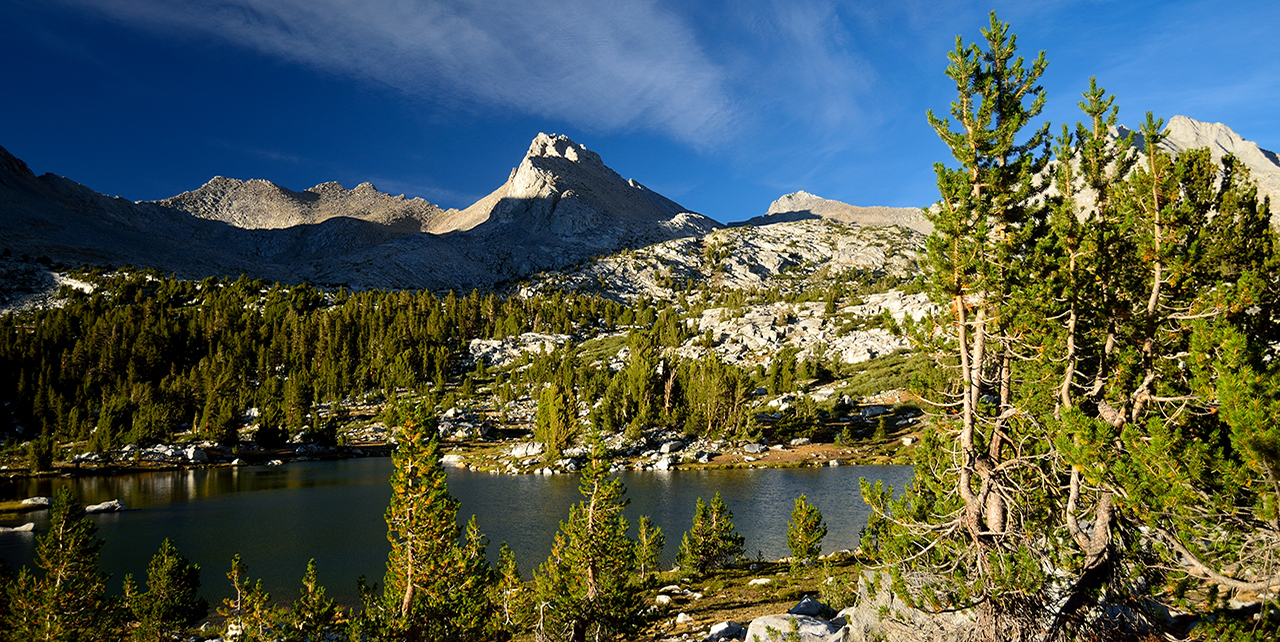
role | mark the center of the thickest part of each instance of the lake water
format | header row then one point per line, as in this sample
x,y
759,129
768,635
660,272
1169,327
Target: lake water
x,y
279,517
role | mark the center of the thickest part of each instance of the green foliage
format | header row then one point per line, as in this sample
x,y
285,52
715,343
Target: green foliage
x,y
586,588
1106,366
145,354
248,612
711,542
513,598
805,532
311,617
557,420
40,453
649,544
69,601
171,603
437,585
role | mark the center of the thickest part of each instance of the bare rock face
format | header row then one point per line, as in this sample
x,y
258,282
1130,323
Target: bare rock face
x,y
803,205
1264,166
793,254
258,204
563,189
559,207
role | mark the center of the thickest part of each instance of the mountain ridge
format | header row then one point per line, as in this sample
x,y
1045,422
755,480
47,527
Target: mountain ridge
x,y
560,206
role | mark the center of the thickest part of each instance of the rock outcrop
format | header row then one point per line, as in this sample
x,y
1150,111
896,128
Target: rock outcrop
x,y
787,255
802,205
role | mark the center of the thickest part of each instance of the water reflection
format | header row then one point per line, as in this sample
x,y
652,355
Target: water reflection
x,y
279,517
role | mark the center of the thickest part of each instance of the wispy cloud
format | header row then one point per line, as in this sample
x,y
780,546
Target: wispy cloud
x,y
600,65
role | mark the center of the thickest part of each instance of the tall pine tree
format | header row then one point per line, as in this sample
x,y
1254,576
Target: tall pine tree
x,y
586,589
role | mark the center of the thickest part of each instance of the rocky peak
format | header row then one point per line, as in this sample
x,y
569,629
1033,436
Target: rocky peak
x,y
13,165
563,189
557,146
1187,133
794,202
802,205
261,204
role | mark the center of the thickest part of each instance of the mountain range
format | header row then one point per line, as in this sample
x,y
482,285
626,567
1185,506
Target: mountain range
x,y
559,207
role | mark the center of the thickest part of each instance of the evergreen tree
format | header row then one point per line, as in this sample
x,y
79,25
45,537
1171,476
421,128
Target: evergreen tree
x,y
69,603
512,597
985,228
556,420
312,614
649,544
40,453
1099,388
585,591
248,612
805,532
171,603
435,588
711,542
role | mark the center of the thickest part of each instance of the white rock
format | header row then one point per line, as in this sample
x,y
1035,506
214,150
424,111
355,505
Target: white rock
x,y
25,528
662,600
112,506
196,455
811,629
683,618
760,581
728,630
38,501
525,449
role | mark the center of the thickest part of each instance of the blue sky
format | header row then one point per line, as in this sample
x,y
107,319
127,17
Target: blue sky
x,y
722,106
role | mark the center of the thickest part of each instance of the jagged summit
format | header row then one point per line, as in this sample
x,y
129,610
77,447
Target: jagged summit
x,y
802,205
258,204
561,205
1264,166
563,189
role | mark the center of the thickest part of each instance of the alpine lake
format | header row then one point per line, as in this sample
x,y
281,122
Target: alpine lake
x,y
279,517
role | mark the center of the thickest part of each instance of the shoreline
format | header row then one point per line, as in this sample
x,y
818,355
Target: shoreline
x,y
492,457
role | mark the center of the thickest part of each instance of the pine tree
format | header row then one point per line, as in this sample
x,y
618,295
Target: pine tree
x,y
711,542
312,614
805,532
1100,367
171,603
986,228
435,588
69,602
585,590
248,612
511,595
649,544
556,420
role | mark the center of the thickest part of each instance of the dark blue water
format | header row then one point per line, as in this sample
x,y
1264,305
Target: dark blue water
x,y
277,518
